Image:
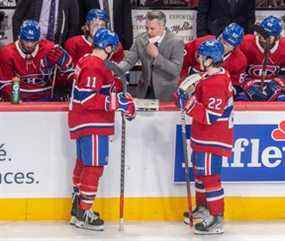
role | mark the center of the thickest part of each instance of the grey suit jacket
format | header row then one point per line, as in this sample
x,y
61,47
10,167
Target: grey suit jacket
x,y
164,70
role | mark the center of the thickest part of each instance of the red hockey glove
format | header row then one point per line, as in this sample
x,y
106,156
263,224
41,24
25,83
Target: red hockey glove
x,y
126,105
58,56
122,102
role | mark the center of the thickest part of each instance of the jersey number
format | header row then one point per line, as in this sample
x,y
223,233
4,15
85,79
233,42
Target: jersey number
x,y
215,104
91,82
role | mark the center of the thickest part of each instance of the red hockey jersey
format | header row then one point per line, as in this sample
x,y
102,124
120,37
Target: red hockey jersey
x,y
88,112
234,62
212,125
255,57
78,46
34,85
190,55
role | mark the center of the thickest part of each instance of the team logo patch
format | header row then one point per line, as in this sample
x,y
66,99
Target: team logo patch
x,y
270,71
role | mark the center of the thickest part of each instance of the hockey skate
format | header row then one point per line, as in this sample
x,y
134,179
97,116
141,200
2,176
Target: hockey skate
x,y
75,207
210,225
199,214
87,219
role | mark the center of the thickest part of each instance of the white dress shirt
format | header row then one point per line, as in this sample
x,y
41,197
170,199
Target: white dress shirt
x,y
44,17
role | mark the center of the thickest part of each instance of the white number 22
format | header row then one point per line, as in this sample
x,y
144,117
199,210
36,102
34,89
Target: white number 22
x,y
215,104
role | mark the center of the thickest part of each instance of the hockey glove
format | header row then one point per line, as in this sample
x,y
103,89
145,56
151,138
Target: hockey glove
x,y
58,56
180,98
274,90
126,105
281,97
123,103
186,89
257,92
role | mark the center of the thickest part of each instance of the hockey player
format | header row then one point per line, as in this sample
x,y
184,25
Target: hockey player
x,y
265,53
210,104
234,60
95,97
31,61
80,45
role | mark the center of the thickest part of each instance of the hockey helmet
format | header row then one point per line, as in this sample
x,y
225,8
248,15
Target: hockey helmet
x,y
104,38
233,34
97,14
30,31
272,26
212,49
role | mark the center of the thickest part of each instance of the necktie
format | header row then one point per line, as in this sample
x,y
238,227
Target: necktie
x,y
51,21
233,5
106,6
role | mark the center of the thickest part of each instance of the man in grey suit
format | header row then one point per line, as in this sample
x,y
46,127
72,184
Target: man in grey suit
x,y
161,55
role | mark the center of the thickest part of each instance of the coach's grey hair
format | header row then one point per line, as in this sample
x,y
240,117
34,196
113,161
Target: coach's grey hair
x,y
158,15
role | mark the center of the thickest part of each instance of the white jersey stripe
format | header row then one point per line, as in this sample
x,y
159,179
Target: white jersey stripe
x,y
211,143
92,125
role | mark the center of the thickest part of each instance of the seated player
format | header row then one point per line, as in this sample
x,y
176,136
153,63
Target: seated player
x,y
80,45
31,61
265,53
234,60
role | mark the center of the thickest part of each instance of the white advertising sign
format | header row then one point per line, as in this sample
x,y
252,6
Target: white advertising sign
x,y
37,157
181,22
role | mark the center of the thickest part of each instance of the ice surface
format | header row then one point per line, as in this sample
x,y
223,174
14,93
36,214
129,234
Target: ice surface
x,y
134,231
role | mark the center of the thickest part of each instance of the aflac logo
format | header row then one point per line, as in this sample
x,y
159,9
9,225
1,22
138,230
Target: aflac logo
x,y
258,154
263,147
279,133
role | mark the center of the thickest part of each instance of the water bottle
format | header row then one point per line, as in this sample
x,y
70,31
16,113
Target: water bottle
x,y
15,96
113,103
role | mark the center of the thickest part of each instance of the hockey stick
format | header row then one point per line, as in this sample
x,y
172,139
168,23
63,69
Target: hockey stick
x,y
120,74
186,161
59,43
257,28
123,164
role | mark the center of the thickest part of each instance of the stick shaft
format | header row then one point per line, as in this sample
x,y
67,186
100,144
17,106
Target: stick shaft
x,y
122,177
186,161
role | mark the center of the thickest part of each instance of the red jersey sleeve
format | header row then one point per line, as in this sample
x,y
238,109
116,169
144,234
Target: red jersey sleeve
x,y
236,64
70,47
119,55
7,73
188,60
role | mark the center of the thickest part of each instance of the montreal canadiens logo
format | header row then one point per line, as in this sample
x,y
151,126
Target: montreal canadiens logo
x,y
270,70
278,134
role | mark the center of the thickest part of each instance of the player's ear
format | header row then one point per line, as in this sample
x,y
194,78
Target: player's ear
x,y
208,62
108,49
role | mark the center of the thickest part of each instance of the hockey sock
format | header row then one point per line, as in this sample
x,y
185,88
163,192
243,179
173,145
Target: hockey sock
x,y
214,194
77,172
89,181
200,194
